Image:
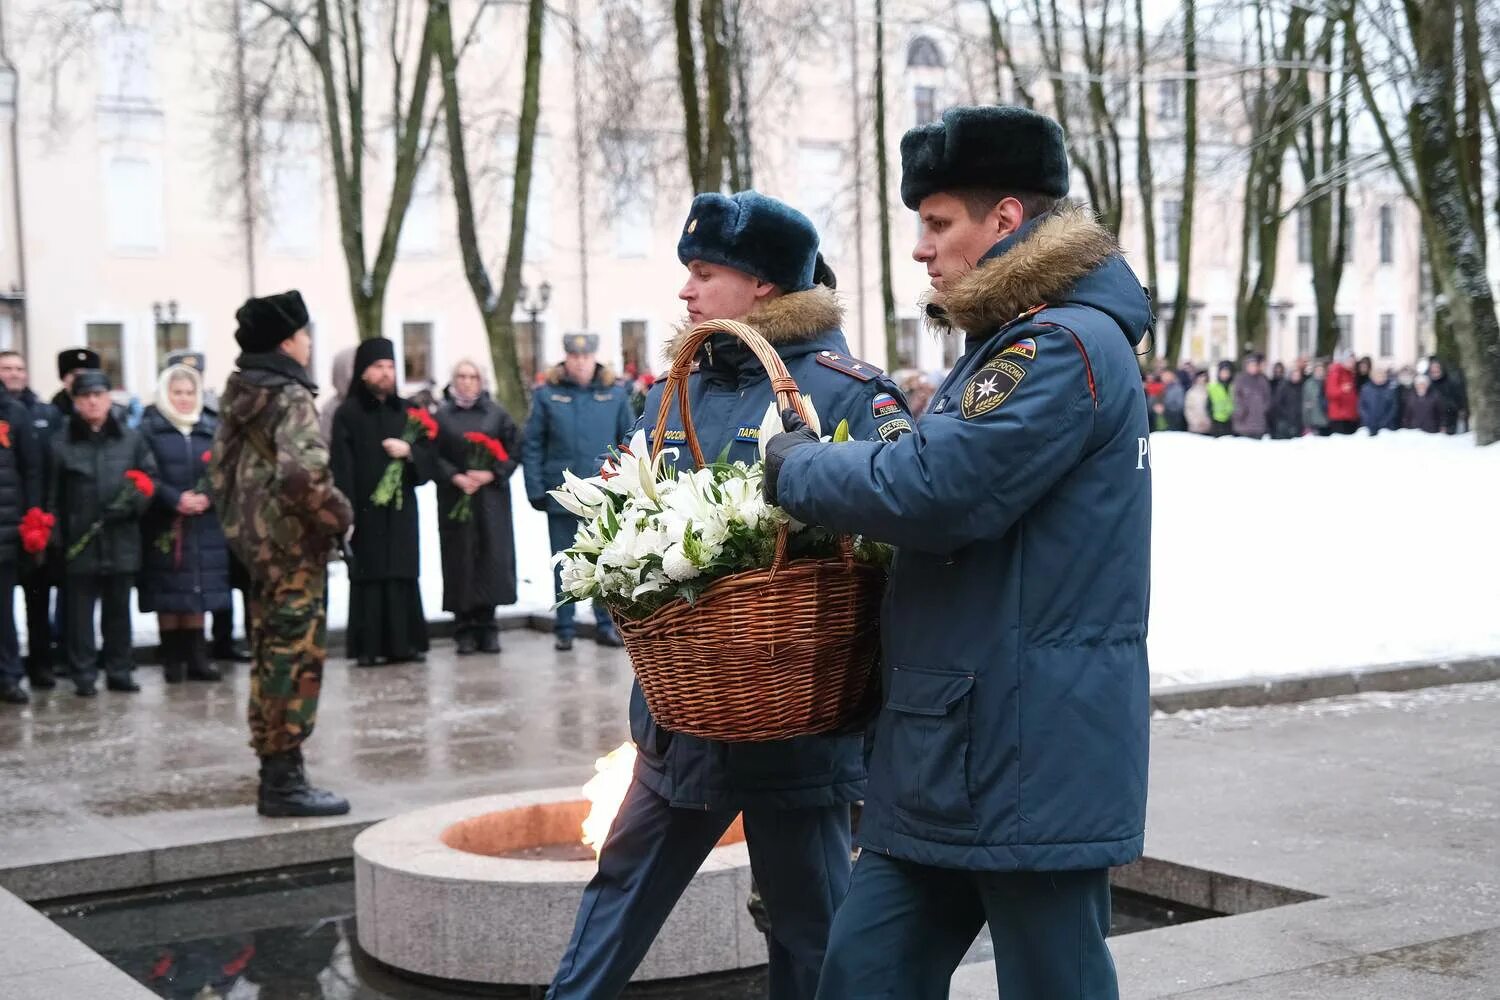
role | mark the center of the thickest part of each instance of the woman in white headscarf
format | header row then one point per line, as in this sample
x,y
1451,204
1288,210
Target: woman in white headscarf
x,y
186,567
479,551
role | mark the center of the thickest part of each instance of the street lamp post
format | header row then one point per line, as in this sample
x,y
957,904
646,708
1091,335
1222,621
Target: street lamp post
x,y
534,307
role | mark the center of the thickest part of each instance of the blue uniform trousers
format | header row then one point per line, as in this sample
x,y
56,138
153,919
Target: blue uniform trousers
x,y
905,927
800,859
560,531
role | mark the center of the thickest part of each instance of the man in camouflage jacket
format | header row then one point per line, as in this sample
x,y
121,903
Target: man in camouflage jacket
x,y
282,516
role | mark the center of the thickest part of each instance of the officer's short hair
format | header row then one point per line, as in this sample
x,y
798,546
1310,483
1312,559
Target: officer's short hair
x,y
979,202
7,353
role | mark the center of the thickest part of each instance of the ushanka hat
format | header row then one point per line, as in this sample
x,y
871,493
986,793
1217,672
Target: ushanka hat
x,y
266,322
991,146
75,359
580,343
752,233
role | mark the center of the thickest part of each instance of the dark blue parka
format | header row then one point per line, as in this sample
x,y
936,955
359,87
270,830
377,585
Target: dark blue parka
x,y
569,427
192,576
728,396
21,476
1015,724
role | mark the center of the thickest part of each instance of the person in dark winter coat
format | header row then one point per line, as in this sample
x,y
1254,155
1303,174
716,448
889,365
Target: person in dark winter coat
x,y
1315,401
186,570
1174,401
577,414
36,582
479,552
1286,406
1449,389
1423,409
1252,401
1008,761
1378,409
386,622
88,484
20,489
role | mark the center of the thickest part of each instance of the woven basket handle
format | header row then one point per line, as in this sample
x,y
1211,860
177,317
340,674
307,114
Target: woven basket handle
x,y
782,383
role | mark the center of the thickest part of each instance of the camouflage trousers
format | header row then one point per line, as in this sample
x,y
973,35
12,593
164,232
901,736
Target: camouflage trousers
x,y
290,642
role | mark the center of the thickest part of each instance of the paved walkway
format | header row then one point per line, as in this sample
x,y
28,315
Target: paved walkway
x,y
1386,805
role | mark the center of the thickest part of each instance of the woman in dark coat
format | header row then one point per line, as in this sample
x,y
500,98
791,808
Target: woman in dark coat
x,y
479,554
386,622
185,571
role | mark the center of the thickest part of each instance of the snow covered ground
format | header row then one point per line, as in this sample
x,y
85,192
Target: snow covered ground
x,y
1268,557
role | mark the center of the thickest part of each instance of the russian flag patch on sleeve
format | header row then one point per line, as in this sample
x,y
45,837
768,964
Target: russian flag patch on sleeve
x,y
883,405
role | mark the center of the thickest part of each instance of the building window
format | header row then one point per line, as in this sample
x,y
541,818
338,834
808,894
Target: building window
x,y
1387,235
1387,335
906,344
633,347
171,336
1346,331
416,353
926,102
1306,337
107,339
419,230
133,204
821,184
1218,338
1171,218
1304,235
1169,99
126,79
924,52
530,356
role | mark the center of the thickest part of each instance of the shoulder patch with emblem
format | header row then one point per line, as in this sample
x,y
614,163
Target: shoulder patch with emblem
x,y
989,387
892,429
883,405
862,370
1025,347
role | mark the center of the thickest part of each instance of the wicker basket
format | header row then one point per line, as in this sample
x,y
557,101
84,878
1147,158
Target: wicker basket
x,y
765,654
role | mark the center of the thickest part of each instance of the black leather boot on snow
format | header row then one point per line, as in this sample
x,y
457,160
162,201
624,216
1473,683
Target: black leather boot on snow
x,y
173,657
284,790
196,649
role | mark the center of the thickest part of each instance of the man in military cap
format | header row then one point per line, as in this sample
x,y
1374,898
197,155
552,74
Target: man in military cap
x,y
755,259
1008,766
579,411
283,516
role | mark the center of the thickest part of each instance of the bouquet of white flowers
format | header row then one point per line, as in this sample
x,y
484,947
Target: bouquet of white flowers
x,y
651,534
741,624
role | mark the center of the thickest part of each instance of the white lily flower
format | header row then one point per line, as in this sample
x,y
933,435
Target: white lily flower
x,y
570,504
586,490
770,424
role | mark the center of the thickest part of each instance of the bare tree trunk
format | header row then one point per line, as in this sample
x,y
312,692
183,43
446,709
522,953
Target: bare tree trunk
x,y
687,83
495,307
1324,156
883,197
716,73
1180,302
243,127
1143,173
581,164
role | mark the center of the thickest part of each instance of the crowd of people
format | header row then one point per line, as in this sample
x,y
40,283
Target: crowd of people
x,y
131,508
1311,396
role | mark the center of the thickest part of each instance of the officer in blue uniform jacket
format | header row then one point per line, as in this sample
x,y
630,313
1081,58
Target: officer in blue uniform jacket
x,y
1008,769
752,258
577,413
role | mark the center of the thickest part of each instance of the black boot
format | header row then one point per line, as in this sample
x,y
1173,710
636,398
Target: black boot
x,y
173,657
489,638
39,671
465,640
284,790
196,648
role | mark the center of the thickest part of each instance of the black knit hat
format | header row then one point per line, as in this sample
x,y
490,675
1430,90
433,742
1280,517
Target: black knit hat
x,y
370,351
90,380
75,358
266,322
992,146
752,233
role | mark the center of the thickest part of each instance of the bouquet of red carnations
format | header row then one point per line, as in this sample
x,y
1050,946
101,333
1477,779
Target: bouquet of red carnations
x,y
170,541
483,449
137,483
36,531
419,423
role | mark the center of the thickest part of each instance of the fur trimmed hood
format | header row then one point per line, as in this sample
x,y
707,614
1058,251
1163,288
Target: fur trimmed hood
x,y
1041,266
793,318
604,375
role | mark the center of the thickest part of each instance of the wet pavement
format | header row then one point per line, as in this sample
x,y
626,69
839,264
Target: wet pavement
x,y
171,766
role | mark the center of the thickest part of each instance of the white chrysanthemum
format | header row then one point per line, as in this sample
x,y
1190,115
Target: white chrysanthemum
x,y
677,566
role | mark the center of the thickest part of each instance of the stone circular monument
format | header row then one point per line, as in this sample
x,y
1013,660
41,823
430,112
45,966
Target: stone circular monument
x,y
485,890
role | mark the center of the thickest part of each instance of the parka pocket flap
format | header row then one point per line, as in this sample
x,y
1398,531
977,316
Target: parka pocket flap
x,y
917,692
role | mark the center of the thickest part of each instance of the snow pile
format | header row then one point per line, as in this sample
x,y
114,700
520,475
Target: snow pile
x,y
1285,557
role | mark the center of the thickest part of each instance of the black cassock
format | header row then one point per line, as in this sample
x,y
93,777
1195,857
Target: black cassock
x,y
385,602
479,555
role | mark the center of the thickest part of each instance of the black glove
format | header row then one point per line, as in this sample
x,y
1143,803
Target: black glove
x,y
797,434
538,503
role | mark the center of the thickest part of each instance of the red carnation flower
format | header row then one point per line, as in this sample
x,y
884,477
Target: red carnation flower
x,y
424,420
497,449
142,482
207,457
36,530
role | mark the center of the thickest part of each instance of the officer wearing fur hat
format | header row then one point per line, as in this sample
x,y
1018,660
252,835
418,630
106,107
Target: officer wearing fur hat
x,y
1008,767
282,515
754,259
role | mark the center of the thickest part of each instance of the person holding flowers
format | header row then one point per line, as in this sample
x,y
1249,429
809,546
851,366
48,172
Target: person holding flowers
x,y
382,451
101,483
186,570
478,448
751,258
21,462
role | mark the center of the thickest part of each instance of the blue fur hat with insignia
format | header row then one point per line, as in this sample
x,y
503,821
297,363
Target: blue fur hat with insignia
x,y
990,146
752,233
